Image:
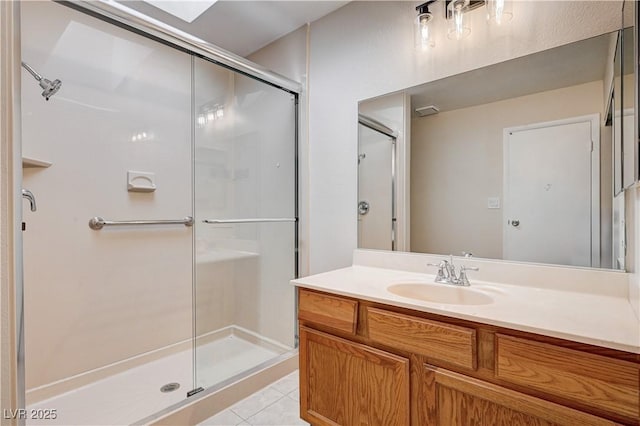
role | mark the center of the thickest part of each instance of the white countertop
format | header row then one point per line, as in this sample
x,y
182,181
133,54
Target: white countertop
x,y
603,320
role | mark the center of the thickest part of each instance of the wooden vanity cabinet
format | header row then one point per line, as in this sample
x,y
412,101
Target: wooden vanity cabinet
x,y
364,363
349,383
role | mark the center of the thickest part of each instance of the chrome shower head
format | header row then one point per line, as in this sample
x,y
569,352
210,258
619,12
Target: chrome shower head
x,y
49,88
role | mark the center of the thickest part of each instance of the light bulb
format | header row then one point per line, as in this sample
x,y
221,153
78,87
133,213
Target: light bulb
x,y
422,27
220,113
499,11
423,33
201,120
458,28
210,116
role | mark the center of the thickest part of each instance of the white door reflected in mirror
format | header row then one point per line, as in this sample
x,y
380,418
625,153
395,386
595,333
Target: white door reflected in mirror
x,y
552,201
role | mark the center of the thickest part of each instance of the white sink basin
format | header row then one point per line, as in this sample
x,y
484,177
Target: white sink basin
x,y
440,293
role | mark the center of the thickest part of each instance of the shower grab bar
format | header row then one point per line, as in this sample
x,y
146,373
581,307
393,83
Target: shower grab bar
x,y
97,223
254,220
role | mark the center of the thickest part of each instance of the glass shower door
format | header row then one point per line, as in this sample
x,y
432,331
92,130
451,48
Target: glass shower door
x,y
108,311
375,190
245,229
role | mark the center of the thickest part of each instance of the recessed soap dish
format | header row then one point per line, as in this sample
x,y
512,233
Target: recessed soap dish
x,y
140,181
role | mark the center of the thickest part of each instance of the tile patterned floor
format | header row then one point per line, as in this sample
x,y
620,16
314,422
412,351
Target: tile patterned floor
x,y
274,405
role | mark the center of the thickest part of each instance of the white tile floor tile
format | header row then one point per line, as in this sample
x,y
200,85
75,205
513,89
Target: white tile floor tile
x,y
224,418
256,402
277,409
288,383
294,394
284,412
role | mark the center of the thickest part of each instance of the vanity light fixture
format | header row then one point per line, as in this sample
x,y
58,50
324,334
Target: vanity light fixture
x,y
422,27
498,12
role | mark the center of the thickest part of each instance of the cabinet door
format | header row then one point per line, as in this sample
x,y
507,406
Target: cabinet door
x,y
455,399
346,383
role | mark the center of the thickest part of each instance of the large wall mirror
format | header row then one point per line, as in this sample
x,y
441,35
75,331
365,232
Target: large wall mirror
x,y
524,160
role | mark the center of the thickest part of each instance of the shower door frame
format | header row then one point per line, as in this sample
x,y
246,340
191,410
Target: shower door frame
x,y
11,280
124,17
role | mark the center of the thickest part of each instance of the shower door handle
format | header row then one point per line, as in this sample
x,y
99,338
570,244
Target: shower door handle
x,y
251,220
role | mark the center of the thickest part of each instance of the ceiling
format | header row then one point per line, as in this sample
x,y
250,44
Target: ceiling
x,y
243,27
568,65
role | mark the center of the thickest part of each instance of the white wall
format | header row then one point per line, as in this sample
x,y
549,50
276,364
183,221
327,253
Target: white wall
x,y
286,56
457,163
365,49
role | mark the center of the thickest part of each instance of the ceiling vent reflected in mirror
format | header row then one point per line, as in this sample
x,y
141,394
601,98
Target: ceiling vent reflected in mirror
x,y
427,110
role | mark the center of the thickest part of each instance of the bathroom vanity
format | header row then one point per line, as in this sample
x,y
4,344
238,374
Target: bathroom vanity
x,y
383,346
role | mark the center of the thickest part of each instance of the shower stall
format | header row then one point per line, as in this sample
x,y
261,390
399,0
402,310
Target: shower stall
x,y
158,260
377,216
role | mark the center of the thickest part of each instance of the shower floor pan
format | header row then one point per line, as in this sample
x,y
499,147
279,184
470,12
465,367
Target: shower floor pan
x,y
127,397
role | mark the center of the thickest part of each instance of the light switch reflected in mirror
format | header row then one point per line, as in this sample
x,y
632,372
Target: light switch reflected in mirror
x,y
516,164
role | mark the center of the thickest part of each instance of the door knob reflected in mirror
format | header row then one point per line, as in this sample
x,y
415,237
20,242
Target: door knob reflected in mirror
x,y
32,199
514,222
363,208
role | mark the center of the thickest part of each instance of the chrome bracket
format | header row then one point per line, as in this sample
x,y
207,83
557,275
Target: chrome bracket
x,y
194,391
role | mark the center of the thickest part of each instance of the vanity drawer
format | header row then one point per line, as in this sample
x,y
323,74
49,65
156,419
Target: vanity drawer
x,y
331,311
604,383
436,340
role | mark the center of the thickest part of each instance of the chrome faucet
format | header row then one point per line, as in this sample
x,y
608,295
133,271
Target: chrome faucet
x,y
447,272
32,199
